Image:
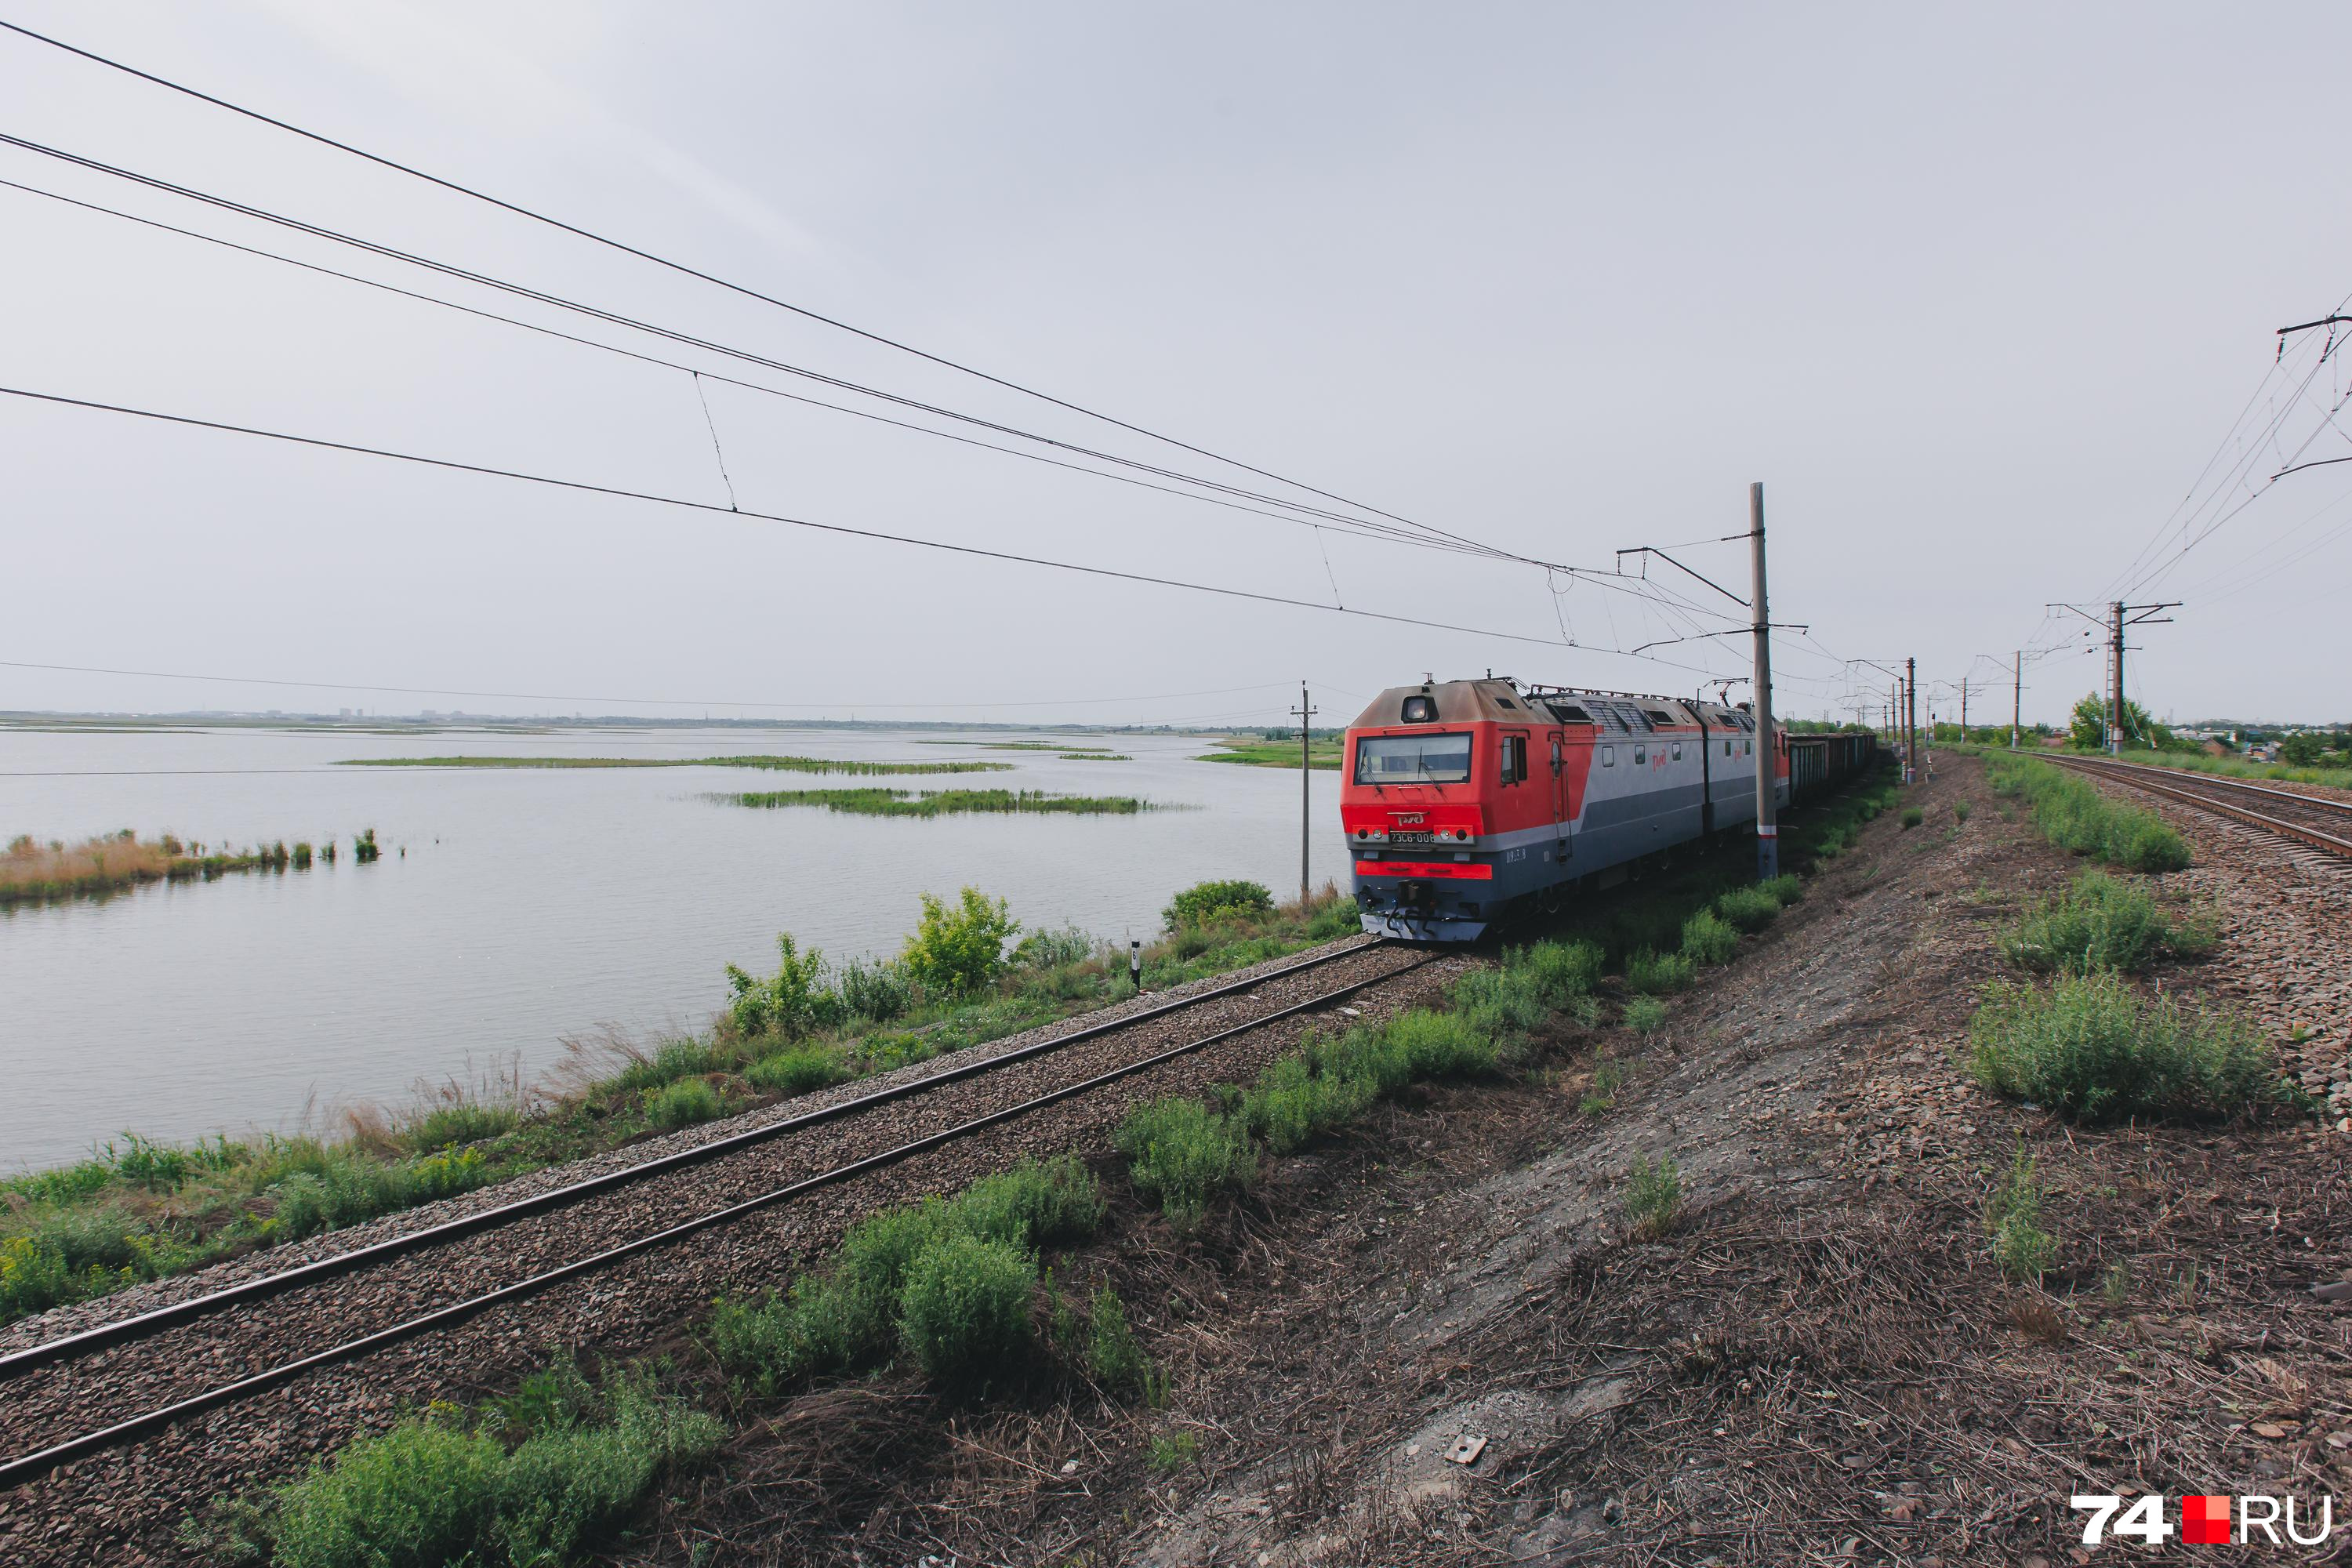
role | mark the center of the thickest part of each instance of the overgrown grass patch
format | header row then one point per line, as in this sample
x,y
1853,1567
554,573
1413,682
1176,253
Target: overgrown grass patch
x,y
1653,1197
2080,818
1709,939
1655,973
2095,1050
941,1280
2021,1247
538,1482
2101,921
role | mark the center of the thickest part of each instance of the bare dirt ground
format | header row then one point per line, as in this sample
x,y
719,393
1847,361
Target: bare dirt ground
x,y
1820,1366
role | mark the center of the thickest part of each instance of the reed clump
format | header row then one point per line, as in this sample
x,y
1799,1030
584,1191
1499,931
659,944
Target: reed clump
x,y
878,801
772,763
34,872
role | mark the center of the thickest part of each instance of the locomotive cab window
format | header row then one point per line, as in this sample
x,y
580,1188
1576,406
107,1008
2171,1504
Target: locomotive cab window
x,y
1515,759
1412,759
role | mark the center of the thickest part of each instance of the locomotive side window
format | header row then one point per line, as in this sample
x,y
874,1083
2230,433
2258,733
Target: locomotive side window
x,y
1412,759
1679,751
1727,748
1641,755
1608,756
1515,759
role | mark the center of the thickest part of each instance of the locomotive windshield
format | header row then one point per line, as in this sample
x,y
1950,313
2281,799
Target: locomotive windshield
x,y
1412,759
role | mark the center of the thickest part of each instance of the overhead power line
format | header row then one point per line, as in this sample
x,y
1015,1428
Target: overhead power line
x,y
747,356
744,290
1384,536
585,486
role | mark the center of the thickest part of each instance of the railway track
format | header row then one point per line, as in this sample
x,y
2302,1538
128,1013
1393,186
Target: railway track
x,y
151,1375
2311,820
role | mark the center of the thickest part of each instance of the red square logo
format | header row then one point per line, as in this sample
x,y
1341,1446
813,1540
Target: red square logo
x,y
2205,1521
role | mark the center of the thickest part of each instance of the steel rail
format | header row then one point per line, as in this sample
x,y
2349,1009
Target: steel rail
x,y
31,1467
88,1341
2219,781
2134,778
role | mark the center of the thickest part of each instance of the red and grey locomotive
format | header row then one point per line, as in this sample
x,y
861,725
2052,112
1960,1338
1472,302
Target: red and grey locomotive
x,y
1467,802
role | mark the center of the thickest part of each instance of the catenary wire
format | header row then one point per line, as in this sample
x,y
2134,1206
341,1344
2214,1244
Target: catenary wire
x,y
1384,536
842,529
684,268
618,319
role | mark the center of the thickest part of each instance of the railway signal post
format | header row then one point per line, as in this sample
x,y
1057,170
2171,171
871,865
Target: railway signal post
x,y
1767,830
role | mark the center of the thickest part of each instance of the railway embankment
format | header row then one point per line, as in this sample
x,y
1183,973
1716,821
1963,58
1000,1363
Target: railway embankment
x,y
1748,1264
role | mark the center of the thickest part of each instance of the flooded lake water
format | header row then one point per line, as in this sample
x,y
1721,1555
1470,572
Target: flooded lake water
x,y
529,905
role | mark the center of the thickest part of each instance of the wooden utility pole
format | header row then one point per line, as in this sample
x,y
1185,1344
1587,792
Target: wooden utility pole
x,y
1306,712
1768,768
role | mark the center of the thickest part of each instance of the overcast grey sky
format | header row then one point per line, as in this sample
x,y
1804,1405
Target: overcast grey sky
x,y
1976,293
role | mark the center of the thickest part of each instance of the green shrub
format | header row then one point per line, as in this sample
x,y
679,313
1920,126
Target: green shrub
x,y
424,1492
1960,810
1208,903
436,1490
2094,1050
1913,817
879,991
1184,1155
1652,974
1054,948
688,1102
1788,887
2013,1218
1502,1004
1748,909
1645,1014
2100,922
960,949
802,1069
1559,972
1438,1045
1054,1204
1292,1103
788,1003
1653,1197
1335,918
964,1308
1114,1359
1709,939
